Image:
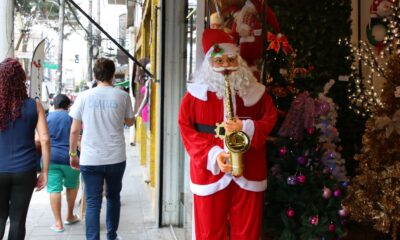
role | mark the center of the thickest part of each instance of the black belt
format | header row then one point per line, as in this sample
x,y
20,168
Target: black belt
x,y
208,129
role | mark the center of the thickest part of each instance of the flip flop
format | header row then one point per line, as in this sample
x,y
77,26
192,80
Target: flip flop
x,y
76,219
55,229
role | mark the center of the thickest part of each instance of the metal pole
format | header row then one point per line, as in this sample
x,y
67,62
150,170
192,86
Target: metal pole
x,y
126,52
264,35
89,45
6,29
60,45
156,8
191,45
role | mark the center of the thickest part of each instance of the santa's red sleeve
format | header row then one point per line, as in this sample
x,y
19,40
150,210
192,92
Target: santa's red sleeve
x,y
198,145
264,126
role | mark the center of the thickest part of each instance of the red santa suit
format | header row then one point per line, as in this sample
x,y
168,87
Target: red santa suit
x,y
219,197
247,29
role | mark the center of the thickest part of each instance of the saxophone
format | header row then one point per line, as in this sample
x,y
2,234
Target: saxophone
x,y
237,142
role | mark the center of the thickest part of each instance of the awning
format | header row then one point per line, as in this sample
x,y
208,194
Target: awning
x,y
124,84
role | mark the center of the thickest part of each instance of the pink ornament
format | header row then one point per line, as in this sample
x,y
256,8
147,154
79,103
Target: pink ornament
x,y
314,220
337,193
324,108
282,151
290,213
301,179
331,227
311,130
326,193
343,212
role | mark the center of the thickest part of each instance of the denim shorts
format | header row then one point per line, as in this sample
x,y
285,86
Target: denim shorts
x,y
61,175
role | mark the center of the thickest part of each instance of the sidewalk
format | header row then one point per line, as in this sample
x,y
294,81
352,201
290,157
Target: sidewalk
x,y
137,217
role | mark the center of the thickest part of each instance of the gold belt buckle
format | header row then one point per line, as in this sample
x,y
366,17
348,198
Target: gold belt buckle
x,y
218,132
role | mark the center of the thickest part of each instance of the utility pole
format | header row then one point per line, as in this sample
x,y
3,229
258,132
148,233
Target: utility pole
x,y
99,22
60,45
6,29
89,44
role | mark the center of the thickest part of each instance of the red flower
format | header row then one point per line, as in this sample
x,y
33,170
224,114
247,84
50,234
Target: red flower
x,y
217,49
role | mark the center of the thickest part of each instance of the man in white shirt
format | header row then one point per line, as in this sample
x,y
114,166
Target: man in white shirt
x,y
102,111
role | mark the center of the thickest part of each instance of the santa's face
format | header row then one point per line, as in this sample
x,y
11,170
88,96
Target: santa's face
x,y
225,62
384,9
215,25
215,21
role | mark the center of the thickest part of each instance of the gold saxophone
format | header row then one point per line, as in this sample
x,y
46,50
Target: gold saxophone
x,y
237,142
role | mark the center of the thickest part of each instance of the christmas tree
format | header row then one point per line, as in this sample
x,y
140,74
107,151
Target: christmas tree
x,y
304,194
313,28
329,139
304,198
374,194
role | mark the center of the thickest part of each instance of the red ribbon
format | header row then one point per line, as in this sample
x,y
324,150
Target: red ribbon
x,y
277,42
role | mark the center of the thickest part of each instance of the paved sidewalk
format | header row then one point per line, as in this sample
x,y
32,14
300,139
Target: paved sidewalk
x,y
137,216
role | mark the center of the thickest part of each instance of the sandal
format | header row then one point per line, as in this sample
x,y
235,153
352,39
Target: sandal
x,y
75,220
55,229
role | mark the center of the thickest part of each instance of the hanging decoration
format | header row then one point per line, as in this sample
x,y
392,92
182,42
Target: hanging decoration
x,y
363,95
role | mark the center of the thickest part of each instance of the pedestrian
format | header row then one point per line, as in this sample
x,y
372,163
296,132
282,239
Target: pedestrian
x,y
19,117
103,110
60,172
223,197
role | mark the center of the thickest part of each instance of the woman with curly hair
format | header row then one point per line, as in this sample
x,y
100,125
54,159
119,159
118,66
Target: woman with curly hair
x,y
19,117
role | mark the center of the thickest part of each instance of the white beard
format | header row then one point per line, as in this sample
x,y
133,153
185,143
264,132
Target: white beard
x,y
248,8
240,78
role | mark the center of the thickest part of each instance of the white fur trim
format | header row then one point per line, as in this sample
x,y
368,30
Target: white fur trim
x,y
229,49
248,39
251,38
248,128
212,164
208,189
244,30
254,93
198,90
250,5
254,186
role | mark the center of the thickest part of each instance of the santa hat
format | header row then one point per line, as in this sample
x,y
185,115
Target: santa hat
x,y
218,42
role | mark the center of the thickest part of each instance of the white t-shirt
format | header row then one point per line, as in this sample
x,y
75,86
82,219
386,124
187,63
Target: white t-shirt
x,y
102,110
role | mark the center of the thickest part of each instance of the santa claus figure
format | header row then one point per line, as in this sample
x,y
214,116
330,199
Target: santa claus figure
x,y
377,27
381,8
219,197
248,30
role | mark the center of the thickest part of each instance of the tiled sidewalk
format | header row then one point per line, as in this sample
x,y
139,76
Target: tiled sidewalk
x,y
137,217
